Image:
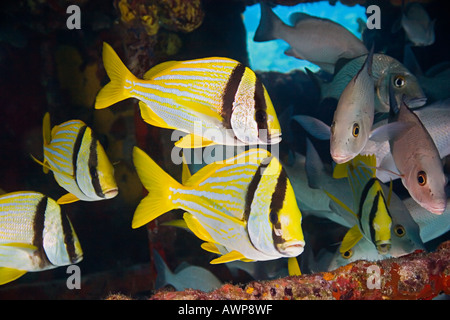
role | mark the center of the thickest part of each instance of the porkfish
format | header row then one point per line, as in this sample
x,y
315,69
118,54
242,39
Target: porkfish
x,y
244,208
78,161
317,40
417,160
370,207
215,100
34,235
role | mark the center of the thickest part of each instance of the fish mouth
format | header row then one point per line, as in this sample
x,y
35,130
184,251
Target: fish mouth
x,y
111,193
291,248
416,102
383,247
439,209
341,158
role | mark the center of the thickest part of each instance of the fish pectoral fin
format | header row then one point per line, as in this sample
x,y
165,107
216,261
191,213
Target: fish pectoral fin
x,y
10,274
313,126
196,227
67,198
293,267
20,245
193,141
210,247
151,117
390,131
230,256
351,238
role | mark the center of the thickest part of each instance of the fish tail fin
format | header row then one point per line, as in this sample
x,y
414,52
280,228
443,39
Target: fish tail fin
x,y
164,274
118,73
158,184
9,274
268,25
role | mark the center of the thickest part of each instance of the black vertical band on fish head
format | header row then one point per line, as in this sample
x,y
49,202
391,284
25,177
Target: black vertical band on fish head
x,y
229,94
276,205
69,240
251,189
38,230
261,116
93,166
76,151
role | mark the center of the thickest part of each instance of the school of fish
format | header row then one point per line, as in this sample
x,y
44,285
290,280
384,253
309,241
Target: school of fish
x,y
250,207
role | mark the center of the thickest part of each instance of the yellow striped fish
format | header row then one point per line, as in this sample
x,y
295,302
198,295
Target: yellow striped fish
x,y
244,208
372,216
34,235
78,161
215,100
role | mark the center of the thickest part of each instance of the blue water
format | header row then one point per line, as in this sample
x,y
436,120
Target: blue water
x,y
269,56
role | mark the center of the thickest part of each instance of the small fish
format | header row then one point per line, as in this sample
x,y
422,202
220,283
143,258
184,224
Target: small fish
x,y
385,69
417,160
78,161
416,23
370,207
188,277
320,41
215,100
254,218
34,235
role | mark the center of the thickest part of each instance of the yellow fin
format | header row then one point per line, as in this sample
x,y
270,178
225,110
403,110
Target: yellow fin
x,y
196,227
151,117
351,238
118,73
20,245
193,141
230,256
159,185
210,247
340,170
67,198
185,172
339,202
9,274
159,69
179,223
293,267
48,167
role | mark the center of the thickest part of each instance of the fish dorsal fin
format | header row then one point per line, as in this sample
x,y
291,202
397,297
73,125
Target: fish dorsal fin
x,y
159,68
193,141
351,238
196,227
10,274
210,247
46,129
298,17
230,256
293,267
67,198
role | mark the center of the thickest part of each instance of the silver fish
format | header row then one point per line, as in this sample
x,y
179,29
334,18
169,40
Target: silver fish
x,y
385,69
418,27
417,159
320,41
34,235
353,118
187,277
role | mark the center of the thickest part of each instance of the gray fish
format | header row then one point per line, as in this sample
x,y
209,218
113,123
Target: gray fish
x,y
418,27
385,69
417,160
189,277
34,235
320,41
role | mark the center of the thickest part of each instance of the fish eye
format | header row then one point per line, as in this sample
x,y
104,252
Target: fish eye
x,y
399,81
347,254
273,216
355,130
422,178
399,230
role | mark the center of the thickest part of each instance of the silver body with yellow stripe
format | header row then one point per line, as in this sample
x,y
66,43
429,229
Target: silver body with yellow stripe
x,y
78,161
244,208
34,235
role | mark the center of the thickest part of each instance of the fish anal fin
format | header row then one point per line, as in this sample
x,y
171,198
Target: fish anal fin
x,y
193,141
9,274
230,256
67,198
351,238
196,227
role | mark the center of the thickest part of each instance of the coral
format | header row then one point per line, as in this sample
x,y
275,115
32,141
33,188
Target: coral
x,y
419,275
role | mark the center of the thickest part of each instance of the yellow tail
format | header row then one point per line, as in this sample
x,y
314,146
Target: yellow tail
x,y
159,185
114,91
